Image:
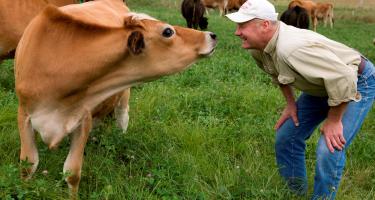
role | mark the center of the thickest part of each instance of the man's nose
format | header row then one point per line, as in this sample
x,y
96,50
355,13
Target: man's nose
x,y
237,32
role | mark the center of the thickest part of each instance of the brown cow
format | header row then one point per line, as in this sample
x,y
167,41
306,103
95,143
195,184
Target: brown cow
x,y
234,5
220,4
71,59
309,6
14,17
324,12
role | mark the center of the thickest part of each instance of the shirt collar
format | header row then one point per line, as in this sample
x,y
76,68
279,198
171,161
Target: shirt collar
x,y
271,46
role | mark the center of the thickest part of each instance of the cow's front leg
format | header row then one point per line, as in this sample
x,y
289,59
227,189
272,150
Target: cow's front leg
x,y
29,151
122,110
73,162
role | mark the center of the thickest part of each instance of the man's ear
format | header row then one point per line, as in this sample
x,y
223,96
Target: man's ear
x,y
136,42
265,23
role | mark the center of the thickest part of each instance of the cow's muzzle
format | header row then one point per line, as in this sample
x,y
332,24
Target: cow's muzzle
x,y
211,41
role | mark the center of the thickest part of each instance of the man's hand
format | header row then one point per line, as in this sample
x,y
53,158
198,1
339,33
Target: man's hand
x,y
289,111
332,128
333,135
291,108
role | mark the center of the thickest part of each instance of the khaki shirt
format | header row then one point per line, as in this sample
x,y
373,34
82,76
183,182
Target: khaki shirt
x,y
311,63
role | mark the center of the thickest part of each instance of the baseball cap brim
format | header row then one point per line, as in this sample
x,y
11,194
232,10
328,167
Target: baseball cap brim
x,y
239,17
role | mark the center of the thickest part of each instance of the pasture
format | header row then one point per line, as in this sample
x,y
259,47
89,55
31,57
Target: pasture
x,y
205,133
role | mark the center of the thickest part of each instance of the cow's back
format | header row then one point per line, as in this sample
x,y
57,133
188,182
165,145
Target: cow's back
x,y
107,12
15,15
306,4
62,2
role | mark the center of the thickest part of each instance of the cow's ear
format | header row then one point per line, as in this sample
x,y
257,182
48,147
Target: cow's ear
x,y
136,42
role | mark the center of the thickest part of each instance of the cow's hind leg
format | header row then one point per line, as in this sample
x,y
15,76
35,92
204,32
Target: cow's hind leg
x,y
122,110
315,23
222,10
73,163
331,21
325,21
29,151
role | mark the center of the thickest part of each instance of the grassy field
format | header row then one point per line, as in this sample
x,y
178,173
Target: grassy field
x,y
206,133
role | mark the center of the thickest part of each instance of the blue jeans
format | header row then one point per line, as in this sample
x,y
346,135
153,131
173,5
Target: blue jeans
x,y
311,111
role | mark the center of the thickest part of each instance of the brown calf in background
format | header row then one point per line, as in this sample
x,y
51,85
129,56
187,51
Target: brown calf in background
x,y
323,12
220,4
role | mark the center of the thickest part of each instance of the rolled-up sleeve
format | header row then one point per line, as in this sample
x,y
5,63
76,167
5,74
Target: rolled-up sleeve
x,y
320,66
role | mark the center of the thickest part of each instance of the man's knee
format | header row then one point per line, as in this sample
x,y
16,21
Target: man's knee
x,y
282,141
326,161
284,136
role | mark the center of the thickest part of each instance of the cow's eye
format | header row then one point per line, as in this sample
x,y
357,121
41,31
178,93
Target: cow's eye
x,y
168,32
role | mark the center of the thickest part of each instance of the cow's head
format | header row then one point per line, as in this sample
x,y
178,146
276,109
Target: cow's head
x,y
157,48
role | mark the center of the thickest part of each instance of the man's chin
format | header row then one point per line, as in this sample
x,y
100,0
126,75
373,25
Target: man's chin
x,y
245,46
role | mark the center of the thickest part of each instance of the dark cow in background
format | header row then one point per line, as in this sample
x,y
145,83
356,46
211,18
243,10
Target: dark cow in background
x,y
296,16
193,11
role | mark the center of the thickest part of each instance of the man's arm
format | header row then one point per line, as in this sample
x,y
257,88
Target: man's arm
x,y
339,81
332,128
291,109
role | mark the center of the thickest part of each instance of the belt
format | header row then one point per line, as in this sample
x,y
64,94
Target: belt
x,y
361,65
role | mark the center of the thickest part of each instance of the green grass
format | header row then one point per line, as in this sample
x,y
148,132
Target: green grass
x,y
205,133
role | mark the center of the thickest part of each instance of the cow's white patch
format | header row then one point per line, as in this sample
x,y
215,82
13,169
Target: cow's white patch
x,y
52,126
210,44
141,16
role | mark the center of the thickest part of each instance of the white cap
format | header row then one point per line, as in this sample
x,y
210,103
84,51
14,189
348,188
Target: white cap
x,y
261,9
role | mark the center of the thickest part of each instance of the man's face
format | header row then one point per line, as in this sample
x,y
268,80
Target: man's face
x,y
251,34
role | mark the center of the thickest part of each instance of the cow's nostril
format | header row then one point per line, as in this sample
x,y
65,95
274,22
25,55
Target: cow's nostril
x,y
213,35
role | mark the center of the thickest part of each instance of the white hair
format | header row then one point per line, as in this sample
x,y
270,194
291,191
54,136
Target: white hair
x,y
141,16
